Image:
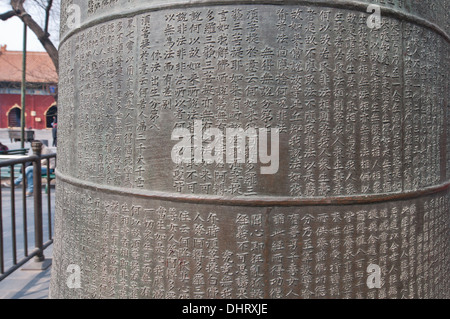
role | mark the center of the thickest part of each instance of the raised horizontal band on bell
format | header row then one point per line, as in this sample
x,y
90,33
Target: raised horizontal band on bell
x,y
342,4
258,200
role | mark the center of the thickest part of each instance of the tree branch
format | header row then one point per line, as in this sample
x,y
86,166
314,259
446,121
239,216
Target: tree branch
x,y
42,35
47,14
6,15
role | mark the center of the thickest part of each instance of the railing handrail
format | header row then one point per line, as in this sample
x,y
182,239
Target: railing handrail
x,y
51,155
25,159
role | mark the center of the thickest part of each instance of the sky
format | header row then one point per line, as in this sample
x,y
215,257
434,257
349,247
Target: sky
x,y
11,32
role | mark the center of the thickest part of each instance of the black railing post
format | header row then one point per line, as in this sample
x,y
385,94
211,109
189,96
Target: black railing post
x,y
37,192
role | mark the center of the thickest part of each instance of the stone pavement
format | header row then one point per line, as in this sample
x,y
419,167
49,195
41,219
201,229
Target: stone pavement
x,y
27,284
24,283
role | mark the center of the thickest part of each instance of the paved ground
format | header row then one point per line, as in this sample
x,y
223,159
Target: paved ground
x,y
24,284
27,284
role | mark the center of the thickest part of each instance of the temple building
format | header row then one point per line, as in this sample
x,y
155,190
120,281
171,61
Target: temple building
x,y
41,89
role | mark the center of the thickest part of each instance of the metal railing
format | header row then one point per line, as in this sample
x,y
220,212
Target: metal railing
x,y
40,245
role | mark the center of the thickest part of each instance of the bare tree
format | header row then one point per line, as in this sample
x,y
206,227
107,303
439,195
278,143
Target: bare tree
x,y
42,33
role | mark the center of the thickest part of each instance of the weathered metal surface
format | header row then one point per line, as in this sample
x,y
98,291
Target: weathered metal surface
x,y
364,158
